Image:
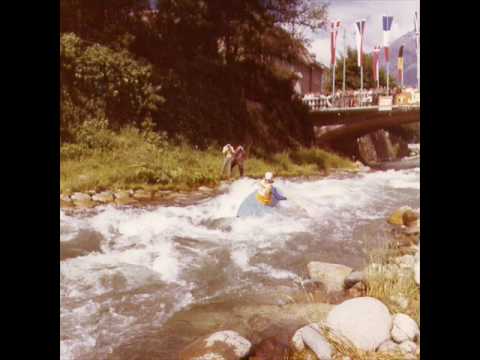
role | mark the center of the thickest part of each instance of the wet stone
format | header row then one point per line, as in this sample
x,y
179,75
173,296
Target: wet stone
x,y
65,198
142,195
84,204
103,197
80,197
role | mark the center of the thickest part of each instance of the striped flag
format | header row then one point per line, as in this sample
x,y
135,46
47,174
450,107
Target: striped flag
x,y
360,35
375,62
334,26
387,25
400,64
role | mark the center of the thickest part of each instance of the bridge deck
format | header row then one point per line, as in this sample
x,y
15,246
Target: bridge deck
x,y
366,108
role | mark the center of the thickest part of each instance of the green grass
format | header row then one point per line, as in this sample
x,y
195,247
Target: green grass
x,y
131,159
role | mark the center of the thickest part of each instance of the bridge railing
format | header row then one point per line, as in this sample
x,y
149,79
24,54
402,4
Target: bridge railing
x,y
318,102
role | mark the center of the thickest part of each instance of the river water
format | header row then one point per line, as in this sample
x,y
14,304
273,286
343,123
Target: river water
x,y
126,272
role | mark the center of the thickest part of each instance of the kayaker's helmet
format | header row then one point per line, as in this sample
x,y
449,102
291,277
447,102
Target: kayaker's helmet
x,y
269,177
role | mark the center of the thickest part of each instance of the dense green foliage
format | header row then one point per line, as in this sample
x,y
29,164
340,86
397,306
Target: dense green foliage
x,y
193,69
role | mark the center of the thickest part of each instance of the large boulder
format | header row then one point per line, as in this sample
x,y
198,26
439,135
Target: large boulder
x,y
363,321
331,275
404,328
222,345
312,336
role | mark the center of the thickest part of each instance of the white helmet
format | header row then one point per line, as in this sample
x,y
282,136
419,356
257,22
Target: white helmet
x,y
268,176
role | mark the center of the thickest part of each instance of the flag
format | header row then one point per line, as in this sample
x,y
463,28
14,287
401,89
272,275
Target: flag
x,y
334,26
400,63
360,34
375,62
387,25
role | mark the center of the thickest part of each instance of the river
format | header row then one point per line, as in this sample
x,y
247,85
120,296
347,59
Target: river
x,y
126,272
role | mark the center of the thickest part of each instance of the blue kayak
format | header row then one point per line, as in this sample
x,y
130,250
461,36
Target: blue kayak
x,y
251,207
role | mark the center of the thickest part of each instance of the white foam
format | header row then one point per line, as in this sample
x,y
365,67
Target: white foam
x,y
141,247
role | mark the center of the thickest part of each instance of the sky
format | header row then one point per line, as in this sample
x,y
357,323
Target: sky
x,y
348,11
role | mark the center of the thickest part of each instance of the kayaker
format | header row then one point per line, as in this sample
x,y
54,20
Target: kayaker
x,y
228,151
267,191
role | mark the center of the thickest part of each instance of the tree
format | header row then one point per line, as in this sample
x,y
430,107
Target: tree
x,y
209,60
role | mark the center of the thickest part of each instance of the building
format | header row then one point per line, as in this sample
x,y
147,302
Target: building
x,y
308,73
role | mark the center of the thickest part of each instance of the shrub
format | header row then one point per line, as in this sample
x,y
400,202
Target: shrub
x,y
101,83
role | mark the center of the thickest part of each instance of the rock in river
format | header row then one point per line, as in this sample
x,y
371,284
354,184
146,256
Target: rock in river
x,y
364,321
311,336
80,197
397,217
103,197
222,345
388,346
408,347
84,204
142,195
404,328
331,275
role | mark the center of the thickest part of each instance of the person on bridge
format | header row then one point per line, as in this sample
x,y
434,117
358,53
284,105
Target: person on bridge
x,y
238,159
267,194
228,151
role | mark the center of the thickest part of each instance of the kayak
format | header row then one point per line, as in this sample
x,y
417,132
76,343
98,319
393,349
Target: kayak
x,y
252,207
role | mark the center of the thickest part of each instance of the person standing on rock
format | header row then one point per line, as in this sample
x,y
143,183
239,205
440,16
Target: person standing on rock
x,y
228,151
238,159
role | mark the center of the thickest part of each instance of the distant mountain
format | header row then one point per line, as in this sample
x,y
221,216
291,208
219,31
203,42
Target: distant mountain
x,y
409,58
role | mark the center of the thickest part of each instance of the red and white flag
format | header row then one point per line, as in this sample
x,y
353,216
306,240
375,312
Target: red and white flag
x,y
386,26
376,62
360,37
334,26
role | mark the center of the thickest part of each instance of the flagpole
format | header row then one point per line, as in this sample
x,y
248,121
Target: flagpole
x,y
418,60
361,84
377,70
333,82
402,78
344,58
388,77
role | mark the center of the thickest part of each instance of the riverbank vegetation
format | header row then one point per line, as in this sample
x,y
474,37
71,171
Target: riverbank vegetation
x,y
151,90
103,159
208,71
388,283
